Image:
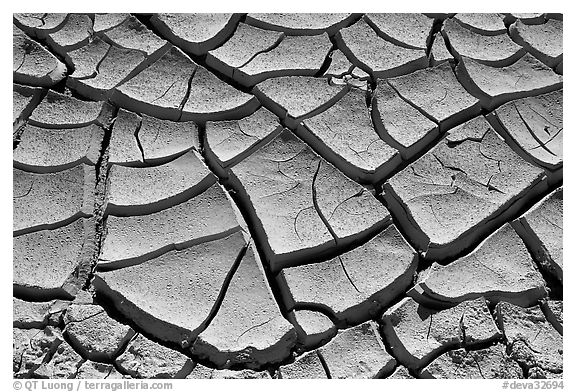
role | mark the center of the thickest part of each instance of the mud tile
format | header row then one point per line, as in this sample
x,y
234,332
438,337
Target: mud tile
x,y
300,23
339,64
357,284
61,111
531,340
39,24
307,366
358,352
165,139
248,328
133,239
74,33
377,56
44,261
196,33
294,56
144,358
411,30
482,23
48,150
417,335
396,118
543,41
95,334
63,364
30,314
159,300
85,60
344,135
495,86
103,22
244,45
490,363
437,93
158,186
535,125
439,52
494,50
350,210
132,34
123,146
279,182
228,142
541,229
499,269
211,99
459,191
32,348
97,371
160,89
24,100
111,70
32,64
50,200
314,328
293,98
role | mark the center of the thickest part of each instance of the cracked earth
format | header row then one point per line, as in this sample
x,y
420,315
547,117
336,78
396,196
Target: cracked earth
x,y
287,196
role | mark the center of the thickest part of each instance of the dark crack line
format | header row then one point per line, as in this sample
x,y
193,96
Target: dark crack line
x,y
253,327
498,274
221,294
478,366
88,317
492,187
488,157
21,63
434,215
347,275
429,328
444,97
288,159
549,140
428,116
187,95
296,220
358,194
540,142
27,192
462,327
165,92
244,133
279,170
281,192
136,136
542,117
316,205
552,223
97,68
269,49
324,364
356,153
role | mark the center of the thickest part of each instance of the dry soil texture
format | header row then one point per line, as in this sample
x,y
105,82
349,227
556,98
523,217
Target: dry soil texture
x,y
287,195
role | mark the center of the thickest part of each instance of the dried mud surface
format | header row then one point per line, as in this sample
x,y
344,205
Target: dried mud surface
x,y
287,196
